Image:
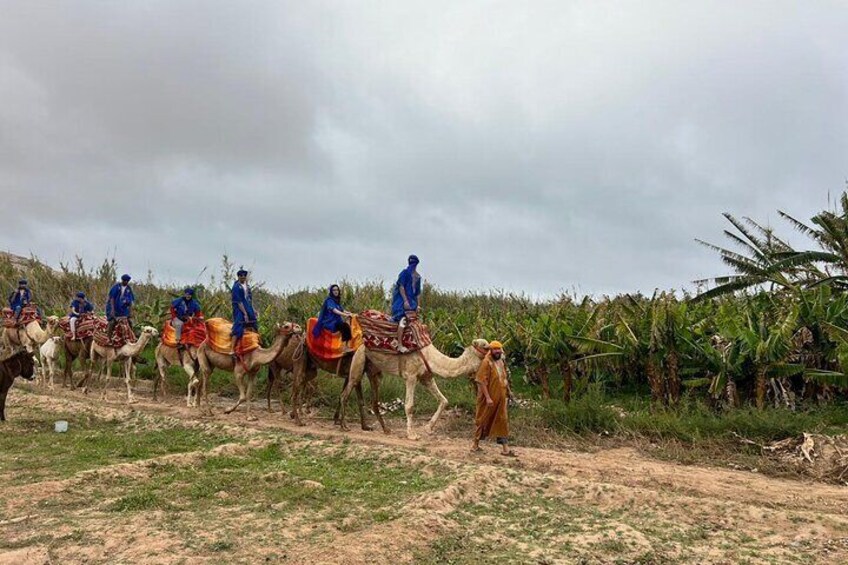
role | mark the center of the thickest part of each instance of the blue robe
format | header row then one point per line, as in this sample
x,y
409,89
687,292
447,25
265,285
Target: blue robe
x,y
185,309
80,306
245,299
122,304
412,285
327,319
18,301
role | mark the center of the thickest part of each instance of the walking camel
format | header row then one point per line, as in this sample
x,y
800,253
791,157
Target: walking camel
x,y
414,367
107,355
244,369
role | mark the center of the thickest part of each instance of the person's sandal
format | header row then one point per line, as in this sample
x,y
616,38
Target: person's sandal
x,y
509,453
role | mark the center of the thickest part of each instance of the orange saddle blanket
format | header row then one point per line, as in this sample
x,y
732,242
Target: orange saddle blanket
x,y
194,333
218,334
329,345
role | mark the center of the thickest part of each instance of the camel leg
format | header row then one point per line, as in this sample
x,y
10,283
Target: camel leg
x,y
357,368
342,403
272,377
251,378
375,401
337,414
161,367
128,371
240,383
361,402
301,377
409,406
430,384
52,368
192,383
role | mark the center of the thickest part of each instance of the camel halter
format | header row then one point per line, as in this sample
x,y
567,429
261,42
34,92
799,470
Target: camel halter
x,y
481,352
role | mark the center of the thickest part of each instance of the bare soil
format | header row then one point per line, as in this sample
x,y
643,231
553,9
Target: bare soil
x,y
545,506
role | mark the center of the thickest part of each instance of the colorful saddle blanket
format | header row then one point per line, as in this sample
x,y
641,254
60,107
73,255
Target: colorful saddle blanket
x,y
218,332
194,333
329,346
86,326
121,335
28,314
380,332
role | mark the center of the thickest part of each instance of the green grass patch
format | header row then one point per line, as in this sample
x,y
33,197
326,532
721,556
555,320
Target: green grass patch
x,y
31,451
327,482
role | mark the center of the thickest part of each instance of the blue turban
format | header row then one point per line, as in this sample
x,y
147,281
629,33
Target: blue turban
x,y
23,282
241,273
413,260
189,291
80,294
126,277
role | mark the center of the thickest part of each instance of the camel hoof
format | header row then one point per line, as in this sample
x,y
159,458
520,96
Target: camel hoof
x,y
413,436
387,431
252,418
367,428
428,430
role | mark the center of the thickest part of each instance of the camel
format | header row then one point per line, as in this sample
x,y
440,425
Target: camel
x,y
247,366
296,359
49,351
31,335
108,355
415,367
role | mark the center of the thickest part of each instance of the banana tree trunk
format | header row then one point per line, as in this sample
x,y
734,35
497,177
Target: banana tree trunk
x,y
762,383
567,380
655,381
673,376
543,377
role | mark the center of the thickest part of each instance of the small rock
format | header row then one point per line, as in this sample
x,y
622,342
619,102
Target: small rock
x,y
314,485
222,495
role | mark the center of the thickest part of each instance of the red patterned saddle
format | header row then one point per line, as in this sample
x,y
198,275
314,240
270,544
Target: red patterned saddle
x,y
121,335
86,326
380,332
29,314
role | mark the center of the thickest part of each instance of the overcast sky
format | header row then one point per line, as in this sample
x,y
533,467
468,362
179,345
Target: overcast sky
x,y
528,146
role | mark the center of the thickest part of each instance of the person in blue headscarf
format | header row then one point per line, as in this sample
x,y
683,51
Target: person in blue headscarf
x,y
244,316
119,304
405,297
332,317
183,309
79,306
20,298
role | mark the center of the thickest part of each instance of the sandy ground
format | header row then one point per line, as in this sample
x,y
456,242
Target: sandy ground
x,y
737,516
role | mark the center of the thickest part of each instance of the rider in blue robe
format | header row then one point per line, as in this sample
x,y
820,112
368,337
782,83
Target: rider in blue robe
x,y
331,317
244,316
20,298
185,307
119,304
409,284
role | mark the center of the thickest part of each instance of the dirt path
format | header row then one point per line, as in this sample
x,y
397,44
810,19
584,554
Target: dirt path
x,y
656,511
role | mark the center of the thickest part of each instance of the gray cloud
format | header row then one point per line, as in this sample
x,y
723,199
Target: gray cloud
x,y
525,146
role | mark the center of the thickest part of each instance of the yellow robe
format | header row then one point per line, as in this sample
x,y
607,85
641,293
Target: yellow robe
x,y
492,421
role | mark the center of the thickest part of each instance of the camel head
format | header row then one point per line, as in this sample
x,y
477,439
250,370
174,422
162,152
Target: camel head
x,y
52,323
480,347
150,330
288,328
